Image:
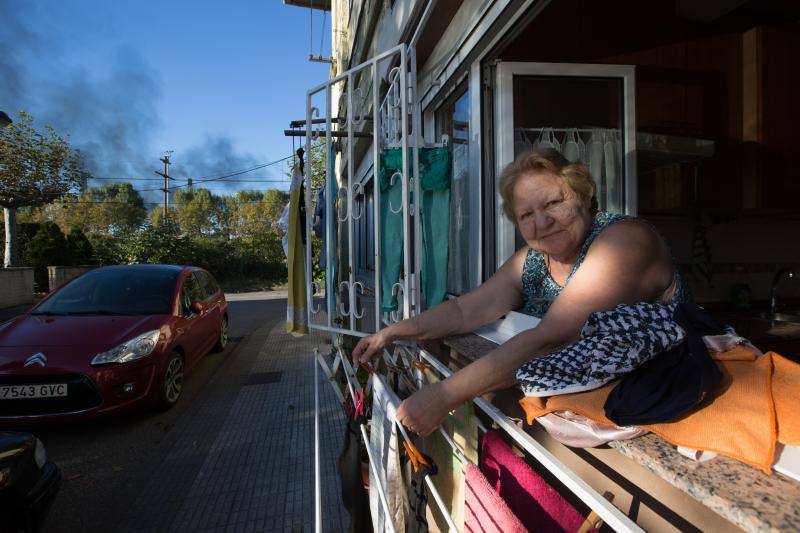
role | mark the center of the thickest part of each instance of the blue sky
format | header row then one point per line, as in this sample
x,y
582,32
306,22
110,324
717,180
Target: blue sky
x,y
217,82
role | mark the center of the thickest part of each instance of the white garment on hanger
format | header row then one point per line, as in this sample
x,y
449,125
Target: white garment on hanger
x,y
385,444
612,171
573,147
594,156
548,139
521,142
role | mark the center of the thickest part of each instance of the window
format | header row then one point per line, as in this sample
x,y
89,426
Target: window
x,y
365,230
208,285
452,119
192,288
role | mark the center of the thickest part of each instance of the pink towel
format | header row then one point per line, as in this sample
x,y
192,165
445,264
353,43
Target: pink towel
x,y
484,510
537,505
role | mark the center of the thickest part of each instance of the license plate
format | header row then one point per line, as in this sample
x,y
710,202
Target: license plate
x,y
22,392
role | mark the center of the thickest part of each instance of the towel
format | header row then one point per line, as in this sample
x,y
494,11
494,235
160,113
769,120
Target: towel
x,y
296,315
485,511
537,505
741,420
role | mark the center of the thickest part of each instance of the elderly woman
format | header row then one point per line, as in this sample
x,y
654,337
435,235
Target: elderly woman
x,y
577,261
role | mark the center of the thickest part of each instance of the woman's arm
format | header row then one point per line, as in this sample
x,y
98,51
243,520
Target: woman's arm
x,y
624,265
500,294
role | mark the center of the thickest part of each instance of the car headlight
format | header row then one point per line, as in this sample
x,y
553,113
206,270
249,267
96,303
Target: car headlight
x,y
136,348
39,454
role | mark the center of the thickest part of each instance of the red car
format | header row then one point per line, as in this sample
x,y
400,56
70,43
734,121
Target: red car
x,y
113,338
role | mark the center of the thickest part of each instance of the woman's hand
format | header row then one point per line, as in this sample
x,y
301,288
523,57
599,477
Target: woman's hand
x,y
423,411
371,346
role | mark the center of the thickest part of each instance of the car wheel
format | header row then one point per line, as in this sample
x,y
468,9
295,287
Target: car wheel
x,y
172,381
222,338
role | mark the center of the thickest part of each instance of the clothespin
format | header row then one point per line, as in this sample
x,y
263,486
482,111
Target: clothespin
x,y
419,459
358,404
421,365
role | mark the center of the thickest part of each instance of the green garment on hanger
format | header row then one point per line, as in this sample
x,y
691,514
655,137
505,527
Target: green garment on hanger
x,y
436,172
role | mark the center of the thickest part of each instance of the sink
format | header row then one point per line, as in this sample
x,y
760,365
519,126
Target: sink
x,y
757,326
780,317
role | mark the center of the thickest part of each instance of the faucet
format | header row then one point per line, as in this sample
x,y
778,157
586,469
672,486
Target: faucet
x,y
773,302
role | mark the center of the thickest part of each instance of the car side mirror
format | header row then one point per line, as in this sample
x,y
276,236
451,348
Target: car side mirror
x,y
197,307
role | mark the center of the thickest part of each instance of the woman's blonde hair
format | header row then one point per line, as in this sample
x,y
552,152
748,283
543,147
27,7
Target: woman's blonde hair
x,y
548,160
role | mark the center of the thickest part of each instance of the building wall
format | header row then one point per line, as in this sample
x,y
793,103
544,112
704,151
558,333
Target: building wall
x,y
16,286
58,275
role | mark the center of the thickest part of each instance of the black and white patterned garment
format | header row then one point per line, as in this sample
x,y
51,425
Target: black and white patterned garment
x,y
612,344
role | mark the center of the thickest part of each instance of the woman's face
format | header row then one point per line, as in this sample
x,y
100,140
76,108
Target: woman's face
x,y
551,217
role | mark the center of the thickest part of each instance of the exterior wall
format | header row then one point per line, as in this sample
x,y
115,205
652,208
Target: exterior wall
x,y
16,286
57,275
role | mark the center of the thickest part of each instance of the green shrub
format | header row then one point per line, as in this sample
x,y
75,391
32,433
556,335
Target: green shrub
x,y
47,247
79,248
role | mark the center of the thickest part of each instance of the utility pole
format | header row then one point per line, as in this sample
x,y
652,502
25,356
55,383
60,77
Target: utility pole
x,y
166,177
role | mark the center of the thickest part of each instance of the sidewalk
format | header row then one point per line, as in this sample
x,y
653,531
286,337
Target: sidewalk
x,y
243,457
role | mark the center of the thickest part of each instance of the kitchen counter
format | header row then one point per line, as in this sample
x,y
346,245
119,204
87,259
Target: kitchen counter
x,y
740,493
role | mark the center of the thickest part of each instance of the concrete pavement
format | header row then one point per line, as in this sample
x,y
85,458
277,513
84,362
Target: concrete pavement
x,y
241,458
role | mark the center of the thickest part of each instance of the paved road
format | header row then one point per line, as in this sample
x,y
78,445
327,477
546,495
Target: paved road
x,y
107,463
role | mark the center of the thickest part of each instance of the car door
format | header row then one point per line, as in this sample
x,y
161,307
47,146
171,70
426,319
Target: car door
x,y
191,328
212,314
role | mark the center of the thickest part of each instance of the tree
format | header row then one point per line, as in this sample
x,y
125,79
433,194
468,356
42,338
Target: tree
x,y
48,247
158,244
79,247
35,169
113,209
197,211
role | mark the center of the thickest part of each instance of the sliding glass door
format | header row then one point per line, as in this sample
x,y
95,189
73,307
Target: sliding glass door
x,y
584,111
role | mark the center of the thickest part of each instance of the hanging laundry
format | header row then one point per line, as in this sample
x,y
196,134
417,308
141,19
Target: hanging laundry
x,y
521,142
436,172
537,505
385,445
296,315
577,431
485,510
391,225
548,139
673,382
420,466
283,224
318,224
574,148
462,426
612,168
418,502
594,156
435,168
612,344
354,497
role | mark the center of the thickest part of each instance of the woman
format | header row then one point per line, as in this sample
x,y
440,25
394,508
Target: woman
x,y
578,261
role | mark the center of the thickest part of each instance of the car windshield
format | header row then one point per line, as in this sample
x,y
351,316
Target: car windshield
x,y
123,291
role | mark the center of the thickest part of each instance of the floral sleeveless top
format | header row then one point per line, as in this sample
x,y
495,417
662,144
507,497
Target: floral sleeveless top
x,y
539,289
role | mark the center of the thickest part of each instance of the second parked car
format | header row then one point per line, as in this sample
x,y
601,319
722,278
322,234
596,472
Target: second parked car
x,y
112,338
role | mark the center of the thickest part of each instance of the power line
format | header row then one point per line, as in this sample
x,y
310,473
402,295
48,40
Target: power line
x,y
218,178
124,180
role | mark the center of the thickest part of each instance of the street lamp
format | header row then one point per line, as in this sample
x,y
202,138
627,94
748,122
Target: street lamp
x,y
5,120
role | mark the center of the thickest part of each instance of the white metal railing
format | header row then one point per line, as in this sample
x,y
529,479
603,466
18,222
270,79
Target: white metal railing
x,y
389,129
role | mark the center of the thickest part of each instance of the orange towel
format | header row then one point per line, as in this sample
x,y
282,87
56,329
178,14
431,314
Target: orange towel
x,y
785,387
741,421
